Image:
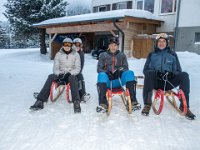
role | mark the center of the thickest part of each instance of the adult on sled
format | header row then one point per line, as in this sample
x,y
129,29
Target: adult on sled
x,y
66,66
163,65
78,46
113,68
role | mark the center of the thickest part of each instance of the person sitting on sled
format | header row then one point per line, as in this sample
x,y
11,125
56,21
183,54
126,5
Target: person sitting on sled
x,y
66,66
78,46
113,66
161,62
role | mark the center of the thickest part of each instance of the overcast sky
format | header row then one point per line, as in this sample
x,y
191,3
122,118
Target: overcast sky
x,y
2,8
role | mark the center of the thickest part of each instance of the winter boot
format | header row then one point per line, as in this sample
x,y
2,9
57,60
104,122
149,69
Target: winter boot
x,y
189,115
77,107
135,105
38,105
102,88
102,108
146,109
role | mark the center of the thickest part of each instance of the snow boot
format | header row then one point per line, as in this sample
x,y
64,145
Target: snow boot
x,y
132,90
102,88
146,109
135,105
37,105
189,115
77,107
102,108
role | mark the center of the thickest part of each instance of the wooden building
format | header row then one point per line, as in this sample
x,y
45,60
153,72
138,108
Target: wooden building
x,y
96,28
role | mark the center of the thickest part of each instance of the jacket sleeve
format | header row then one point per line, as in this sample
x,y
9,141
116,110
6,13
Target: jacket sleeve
x,y
147,64
77,65
125,63
101,63
56,65
82,60
178,68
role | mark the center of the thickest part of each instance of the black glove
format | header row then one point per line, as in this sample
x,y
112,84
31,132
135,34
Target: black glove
x,y
118,73
63,77
110,75
165,76
170,75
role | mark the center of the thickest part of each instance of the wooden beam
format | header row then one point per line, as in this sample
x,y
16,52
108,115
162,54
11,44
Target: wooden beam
x,y
86,28
142,20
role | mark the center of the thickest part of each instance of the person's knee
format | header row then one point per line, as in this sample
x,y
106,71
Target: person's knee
x,y
184,75
150,74
52,76
128,75
102,77
72,78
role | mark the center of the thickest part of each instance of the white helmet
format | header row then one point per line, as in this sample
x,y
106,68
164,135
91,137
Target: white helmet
x,y
68,40
77,40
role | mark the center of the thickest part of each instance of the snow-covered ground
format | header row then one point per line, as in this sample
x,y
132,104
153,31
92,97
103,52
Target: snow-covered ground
x,y
56,127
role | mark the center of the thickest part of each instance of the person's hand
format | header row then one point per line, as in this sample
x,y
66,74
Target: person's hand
x,y
118,73
110,75
63,77
165,76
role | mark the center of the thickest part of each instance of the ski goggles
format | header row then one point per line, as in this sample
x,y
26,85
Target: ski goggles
x,y
67,44
77,44
162,35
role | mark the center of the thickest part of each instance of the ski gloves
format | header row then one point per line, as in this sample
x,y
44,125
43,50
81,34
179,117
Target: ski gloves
x,y
116,74
165,76
63,78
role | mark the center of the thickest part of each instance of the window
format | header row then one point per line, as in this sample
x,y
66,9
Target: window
x,y
139,4
146,5
95,9
168,6
102,8
197,37
149,5
122,5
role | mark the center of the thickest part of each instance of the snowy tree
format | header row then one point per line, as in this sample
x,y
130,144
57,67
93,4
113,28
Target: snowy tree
x,y
77,10
4,36
23,13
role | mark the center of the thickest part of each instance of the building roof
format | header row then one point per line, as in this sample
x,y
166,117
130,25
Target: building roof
x,y
100,16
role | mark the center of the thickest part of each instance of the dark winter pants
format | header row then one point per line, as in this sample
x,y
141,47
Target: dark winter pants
x,y
127,79
151,82
81,84
44,93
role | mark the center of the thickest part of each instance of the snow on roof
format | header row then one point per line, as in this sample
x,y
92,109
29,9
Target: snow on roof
x,y
108,15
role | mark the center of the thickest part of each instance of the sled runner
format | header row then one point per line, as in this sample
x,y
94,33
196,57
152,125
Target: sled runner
x,y
124,94
57,90
172,97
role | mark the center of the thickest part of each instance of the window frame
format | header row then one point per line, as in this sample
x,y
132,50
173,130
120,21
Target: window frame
x,y
143,5
197,38
174,3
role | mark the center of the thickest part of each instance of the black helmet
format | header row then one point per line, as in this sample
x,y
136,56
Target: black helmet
x,y
114,40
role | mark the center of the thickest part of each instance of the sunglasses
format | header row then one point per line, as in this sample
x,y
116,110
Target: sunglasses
x,y
77,44
66,44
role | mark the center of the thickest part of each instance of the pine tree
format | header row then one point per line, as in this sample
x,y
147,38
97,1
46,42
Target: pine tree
x,y
23,13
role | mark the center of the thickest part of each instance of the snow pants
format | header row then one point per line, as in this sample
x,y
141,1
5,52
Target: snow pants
x,y
151,81
45,91
103,83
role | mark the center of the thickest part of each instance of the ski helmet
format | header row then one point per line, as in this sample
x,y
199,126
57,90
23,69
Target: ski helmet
x,y
67,40
77,40
162,36
114,40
